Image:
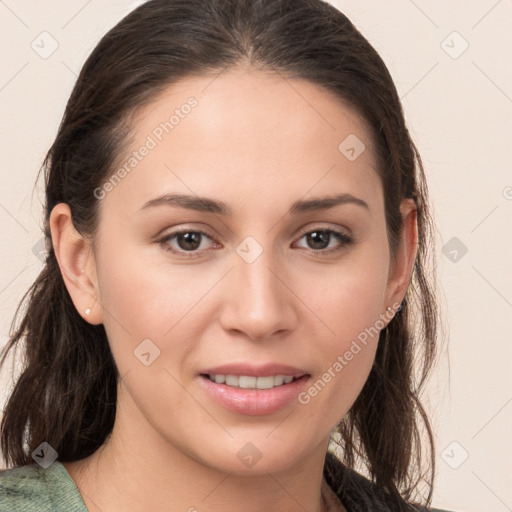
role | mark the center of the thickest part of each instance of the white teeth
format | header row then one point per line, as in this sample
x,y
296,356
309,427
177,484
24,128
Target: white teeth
x,y
248,382
266,382
231,380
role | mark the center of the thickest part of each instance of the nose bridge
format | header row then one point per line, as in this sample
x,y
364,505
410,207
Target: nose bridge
x,y
259,303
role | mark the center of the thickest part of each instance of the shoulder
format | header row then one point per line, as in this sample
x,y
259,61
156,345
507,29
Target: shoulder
x,y
31,488
358,494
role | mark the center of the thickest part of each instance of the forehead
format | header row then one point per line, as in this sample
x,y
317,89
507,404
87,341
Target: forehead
x,y
253,131
229,102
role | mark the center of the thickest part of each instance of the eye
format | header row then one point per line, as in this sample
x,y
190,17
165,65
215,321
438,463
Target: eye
x,y
319,237
188,242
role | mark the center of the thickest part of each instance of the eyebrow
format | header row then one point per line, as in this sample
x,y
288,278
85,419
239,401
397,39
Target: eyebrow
x,y
205,204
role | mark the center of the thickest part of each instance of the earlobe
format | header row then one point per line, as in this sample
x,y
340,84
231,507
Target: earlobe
x,y
76,262
401,269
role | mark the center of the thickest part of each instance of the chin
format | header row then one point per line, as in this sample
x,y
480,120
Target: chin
x,y
257,457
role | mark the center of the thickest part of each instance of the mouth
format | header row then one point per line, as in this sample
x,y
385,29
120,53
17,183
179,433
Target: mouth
x,y
252,382
252,395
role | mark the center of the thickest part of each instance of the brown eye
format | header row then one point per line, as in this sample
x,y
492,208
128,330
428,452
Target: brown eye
x,y
188,242
318,240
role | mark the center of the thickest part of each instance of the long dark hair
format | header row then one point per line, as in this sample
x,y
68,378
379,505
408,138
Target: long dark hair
x,y
66,394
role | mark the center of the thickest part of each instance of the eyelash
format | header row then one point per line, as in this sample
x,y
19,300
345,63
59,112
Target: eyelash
x,y
345,239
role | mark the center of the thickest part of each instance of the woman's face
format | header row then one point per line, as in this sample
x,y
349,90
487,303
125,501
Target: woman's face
x,y
259,281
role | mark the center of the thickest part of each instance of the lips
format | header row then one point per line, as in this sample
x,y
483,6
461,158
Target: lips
x,y
245,389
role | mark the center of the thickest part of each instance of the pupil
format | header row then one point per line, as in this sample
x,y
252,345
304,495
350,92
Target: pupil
x,y
188,238
321,236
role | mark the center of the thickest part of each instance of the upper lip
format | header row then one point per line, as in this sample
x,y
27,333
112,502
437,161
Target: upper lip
x,y
251,370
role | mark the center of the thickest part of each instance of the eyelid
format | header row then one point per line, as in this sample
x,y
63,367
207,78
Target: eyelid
x,y
309,229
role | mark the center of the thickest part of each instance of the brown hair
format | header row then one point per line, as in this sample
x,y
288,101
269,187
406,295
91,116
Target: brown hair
x,y
66,394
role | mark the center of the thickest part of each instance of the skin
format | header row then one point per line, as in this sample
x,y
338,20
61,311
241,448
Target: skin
x,y
257,142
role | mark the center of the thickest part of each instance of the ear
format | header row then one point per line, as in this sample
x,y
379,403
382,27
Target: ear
x,y
400,270
77,264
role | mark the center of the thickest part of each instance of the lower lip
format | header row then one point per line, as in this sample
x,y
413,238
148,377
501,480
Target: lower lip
x,y
253,402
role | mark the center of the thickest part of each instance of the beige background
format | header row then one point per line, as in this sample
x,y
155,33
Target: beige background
x,y
459,108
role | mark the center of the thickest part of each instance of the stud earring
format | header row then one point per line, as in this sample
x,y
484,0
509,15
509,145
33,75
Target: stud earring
x,y
87,311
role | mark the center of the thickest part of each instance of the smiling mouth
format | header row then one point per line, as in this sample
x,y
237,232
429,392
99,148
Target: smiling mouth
x,y
251,382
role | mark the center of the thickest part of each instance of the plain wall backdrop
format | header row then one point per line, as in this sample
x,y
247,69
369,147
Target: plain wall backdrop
x,y
451,64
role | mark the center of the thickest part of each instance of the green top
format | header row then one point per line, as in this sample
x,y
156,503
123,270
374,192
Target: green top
x,y
34,489
31,488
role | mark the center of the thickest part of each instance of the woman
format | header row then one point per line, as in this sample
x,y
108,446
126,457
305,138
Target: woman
x,y
235,289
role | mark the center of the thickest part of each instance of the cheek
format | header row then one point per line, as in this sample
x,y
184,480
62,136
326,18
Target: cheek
x,y
145,296
144,299
346,357
348,298
137,304
349,302
131,296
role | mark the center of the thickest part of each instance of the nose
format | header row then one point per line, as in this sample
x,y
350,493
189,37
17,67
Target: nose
x,y
259,301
